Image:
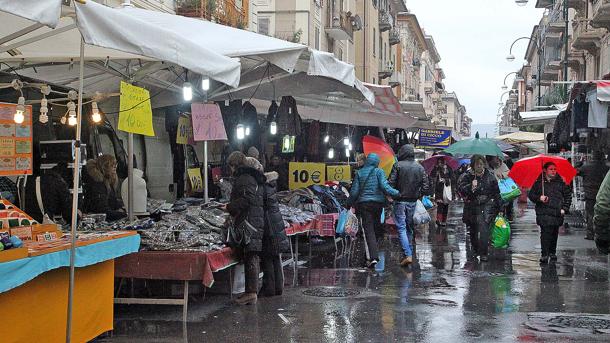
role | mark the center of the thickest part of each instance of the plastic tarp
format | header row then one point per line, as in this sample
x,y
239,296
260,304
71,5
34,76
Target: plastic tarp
x,y
45,12
521,137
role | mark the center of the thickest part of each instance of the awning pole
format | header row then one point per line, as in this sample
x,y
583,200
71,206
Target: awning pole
x,y
75,186
130,199
205,172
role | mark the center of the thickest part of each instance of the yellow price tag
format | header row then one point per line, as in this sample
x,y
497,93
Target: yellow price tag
x,y
302,175
184,131
196,179
136,111
339,173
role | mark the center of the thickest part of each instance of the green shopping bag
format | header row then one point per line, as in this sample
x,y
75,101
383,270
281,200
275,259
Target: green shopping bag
x,y
500,233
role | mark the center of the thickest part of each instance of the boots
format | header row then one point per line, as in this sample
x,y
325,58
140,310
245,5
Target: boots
x,y
247,299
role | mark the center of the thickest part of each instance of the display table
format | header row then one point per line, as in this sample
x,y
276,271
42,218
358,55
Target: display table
x,y
34,289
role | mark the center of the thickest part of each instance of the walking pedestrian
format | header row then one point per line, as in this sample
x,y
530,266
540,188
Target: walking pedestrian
x,y
601,216
481,195
410,179
593,173
247,204
369,191
442,176
552,198
501,170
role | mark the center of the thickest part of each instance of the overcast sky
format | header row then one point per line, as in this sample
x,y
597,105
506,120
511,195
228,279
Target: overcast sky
x,y
473,38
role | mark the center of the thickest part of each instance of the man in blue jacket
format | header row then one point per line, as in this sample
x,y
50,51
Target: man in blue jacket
x,y
369,190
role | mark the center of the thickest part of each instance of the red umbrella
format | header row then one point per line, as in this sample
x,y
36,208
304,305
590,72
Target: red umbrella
x,y
431,162
525,172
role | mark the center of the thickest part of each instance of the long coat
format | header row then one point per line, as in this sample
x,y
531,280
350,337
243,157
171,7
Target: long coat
x,y
485,199
274,236
560,198
247,203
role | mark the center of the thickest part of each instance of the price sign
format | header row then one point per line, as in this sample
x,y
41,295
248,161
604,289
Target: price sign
x,y
196,179
136,111
339,173
184,131
302,175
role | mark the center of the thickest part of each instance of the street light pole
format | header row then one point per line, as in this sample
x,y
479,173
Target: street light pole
x,y
511,58
566,17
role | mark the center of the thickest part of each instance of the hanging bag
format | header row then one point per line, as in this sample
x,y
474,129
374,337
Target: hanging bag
x,y
421,215
240,235
45,217
447,194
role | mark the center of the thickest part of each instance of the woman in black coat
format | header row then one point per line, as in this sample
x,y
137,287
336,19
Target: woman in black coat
x,y
247,202
552,204
274,240
100,188
481,193
441,175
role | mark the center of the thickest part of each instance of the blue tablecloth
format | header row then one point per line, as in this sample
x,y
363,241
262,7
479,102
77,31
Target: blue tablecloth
x,y
16,273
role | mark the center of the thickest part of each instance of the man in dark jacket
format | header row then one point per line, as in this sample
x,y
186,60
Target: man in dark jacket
x,y
410,179
602,217
593,173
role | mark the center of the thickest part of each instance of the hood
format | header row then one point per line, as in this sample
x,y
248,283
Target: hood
x,y
372,160
254,163
272,176
256,174
406,152
94,171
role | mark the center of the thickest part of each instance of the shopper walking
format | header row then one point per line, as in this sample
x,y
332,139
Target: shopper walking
x,y
369,190
441,177
247,204
601,216
501,170
593,173
552,198
410,179
481,195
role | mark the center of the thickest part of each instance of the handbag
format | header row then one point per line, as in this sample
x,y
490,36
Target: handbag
x,y
421,215
508,189
427,202
447,194
240,235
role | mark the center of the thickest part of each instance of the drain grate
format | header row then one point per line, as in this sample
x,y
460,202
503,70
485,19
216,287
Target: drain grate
x,y
581,323
331,292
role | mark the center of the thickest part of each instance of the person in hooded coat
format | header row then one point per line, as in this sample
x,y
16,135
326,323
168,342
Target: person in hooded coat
x,y
247,203
100,188
553,200
369,190
55,195
482,202
410,179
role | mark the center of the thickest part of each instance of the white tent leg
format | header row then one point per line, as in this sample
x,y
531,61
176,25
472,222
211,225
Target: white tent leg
x,y
205,172
130,177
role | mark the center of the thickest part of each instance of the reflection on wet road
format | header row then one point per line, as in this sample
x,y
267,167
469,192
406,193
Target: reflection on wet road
x,y
446,297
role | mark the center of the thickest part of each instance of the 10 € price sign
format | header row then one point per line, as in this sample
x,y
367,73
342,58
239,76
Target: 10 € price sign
x,y
302,174
339,173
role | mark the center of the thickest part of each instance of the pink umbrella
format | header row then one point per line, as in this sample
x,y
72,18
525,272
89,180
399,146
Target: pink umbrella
x,y
431,162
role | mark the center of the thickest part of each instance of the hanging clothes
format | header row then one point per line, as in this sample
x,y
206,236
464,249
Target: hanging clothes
x,y
561,131
580,116
598,111
313,139
288,119
272,113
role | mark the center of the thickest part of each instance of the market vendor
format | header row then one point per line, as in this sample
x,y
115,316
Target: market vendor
x,y
100,188
48,194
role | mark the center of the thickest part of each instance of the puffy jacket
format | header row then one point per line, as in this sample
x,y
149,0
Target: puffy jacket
x,y
100,197
593,174
370,184
601,217
560,198
408,176
247,203
274,236
484,199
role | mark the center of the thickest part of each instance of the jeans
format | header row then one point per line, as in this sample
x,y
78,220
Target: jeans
x,y
403,215
370,212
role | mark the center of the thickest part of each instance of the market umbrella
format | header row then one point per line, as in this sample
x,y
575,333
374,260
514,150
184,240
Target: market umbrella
x,y
475,146
376,145
431,162
525,172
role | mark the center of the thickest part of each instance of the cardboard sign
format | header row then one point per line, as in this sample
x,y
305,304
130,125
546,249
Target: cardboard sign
x,y
136,111
196,179
207,123
15,141
184,131
302,175
339,173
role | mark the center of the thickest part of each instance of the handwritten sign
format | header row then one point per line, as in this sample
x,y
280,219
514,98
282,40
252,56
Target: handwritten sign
x,y
207,123
184,131
339,173
136,111
302,175
196,179
15,141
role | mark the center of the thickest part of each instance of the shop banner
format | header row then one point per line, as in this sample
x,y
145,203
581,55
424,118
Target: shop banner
x,y
184,132
433,138
339,173
303,174
196,179
15,141
207,123
135,110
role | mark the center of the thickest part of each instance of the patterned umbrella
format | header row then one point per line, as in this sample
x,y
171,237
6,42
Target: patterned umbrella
x,y
376,145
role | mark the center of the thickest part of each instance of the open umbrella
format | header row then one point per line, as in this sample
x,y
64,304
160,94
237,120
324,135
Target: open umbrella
x,y
433,161
525,172
372,144
475,146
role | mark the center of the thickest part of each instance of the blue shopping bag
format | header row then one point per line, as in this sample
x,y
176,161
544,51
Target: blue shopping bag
x,y
342,222
509,189
427,202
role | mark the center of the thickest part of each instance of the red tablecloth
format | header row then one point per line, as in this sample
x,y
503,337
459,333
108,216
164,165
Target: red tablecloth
x,y
296,229
175,265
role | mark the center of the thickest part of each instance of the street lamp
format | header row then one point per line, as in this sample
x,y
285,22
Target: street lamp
x,y
511,58
504,86
521,3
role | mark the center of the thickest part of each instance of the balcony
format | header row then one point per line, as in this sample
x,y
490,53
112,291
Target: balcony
x,y
395,79
587,39
579,5
340,26
394,36
576,60
601,15
429,87
225,12
385,70
385,21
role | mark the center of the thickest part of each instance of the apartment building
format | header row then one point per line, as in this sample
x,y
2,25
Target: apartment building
x,y
408,64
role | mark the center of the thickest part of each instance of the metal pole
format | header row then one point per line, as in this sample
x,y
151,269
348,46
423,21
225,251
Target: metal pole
x,y
566,17
130,199
75,186
205,172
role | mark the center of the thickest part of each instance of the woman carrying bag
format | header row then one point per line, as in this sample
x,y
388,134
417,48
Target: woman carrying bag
x,y
442,176
368,193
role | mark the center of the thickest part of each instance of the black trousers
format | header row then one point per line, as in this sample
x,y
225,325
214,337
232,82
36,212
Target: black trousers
x,y
251,270
273,276
370,212
548,239
479,233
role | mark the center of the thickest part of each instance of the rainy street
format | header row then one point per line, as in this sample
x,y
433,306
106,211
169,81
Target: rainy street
x,y
445,297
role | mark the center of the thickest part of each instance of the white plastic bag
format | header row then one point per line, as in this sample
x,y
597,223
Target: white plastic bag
x,y
421,215
447,194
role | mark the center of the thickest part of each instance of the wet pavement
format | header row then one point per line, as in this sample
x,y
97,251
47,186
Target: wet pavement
x,y
446,297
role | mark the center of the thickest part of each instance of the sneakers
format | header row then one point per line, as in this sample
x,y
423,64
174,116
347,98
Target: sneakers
x,y
484,258
371,264
406,261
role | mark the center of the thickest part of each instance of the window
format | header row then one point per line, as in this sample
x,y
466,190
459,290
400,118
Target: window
x,y
317,38
374,42
263,26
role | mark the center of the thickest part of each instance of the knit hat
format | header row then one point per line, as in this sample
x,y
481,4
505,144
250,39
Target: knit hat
x,y
253,152
254,163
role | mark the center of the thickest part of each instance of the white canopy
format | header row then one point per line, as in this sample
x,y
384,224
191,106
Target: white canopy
x,y
521,137
45,12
